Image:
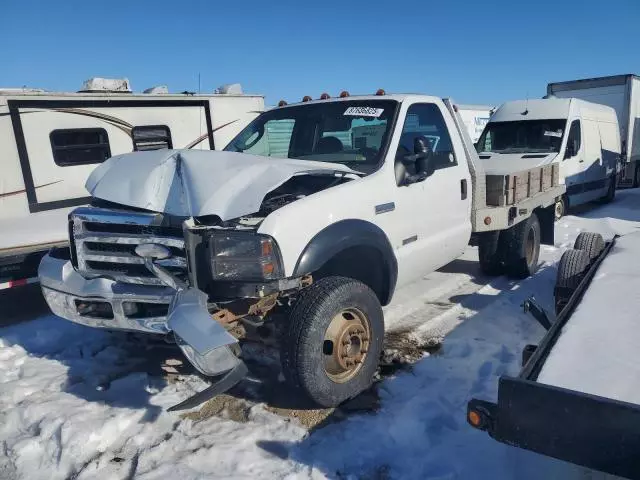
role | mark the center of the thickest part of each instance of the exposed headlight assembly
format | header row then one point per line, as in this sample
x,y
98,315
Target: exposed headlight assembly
x,y
244,256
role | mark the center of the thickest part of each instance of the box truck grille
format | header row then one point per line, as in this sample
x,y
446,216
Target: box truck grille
x,y
104,243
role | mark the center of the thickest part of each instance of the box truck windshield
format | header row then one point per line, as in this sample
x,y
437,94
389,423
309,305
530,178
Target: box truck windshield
x,y
525,136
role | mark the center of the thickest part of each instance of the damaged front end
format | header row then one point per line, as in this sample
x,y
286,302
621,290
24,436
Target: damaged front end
x,y
147,272
171,246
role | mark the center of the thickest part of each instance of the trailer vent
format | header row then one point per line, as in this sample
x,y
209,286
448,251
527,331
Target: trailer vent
x,y
112,85
152,137
159,89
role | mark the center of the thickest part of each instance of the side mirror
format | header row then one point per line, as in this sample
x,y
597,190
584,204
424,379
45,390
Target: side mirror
x,y
421,160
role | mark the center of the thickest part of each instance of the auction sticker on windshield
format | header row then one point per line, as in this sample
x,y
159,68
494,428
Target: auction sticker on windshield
x,y
364,112
553,134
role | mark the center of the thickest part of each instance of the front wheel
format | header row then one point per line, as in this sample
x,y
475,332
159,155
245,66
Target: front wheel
x,y
332,345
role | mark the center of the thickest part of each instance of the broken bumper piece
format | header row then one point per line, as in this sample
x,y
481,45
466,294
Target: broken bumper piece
x,y
205,343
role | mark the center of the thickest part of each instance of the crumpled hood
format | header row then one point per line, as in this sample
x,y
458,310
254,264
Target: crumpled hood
x,y
504,163
193,183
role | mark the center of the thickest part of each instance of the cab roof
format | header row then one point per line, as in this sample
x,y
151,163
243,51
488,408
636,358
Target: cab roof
x,y
546,108
398,97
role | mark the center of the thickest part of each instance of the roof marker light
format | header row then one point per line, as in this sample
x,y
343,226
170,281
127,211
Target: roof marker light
x,y
344,94
306,98
282,103
380,92
324,96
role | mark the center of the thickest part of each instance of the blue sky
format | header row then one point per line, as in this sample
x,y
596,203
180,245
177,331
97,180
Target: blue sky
x,y
474,51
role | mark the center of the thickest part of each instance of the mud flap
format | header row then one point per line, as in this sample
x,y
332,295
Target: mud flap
x,y
205,343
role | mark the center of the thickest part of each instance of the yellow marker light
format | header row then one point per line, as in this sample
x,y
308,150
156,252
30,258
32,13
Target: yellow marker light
x,y
474,418
487,220
268,269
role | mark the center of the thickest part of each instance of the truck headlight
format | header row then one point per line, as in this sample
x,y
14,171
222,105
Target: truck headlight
x,y
244,256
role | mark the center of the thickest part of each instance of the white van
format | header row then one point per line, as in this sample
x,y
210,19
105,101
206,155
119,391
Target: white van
x,y
582,137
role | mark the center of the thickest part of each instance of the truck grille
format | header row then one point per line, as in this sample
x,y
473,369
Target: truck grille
x,y
104,242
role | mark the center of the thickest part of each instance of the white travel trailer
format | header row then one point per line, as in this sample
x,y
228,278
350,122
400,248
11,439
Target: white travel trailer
x,y
50,142
622,93
475,117
581,137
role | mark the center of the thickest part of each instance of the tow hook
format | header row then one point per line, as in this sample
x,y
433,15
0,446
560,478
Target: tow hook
x,y
204,341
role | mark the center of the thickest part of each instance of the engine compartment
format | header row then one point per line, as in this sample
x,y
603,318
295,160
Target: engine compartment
x,y
296,188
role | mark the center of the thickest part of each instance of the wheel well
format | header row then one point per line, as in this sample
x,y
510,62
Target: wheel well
x,y
362,263
546,216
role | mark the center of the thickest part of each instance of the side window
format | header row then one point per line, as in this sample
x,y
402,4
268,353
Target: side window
x,y
574,140
426,120
151,137
80,146
273,142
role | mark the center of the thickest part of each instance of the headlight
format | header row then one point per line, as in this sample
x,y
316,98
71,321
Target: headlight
x,y
244,256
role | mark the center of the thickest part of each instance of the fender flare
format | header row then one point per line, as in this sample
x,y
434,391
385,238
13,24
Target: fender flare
x,y
345,234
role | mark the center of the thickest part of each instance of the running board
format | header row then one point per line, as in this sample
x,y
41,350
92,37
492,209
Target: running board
x,y
229,380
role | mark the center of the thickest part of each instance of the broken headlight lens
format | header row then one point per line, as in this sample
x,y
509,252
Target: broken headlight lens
x,y
244,256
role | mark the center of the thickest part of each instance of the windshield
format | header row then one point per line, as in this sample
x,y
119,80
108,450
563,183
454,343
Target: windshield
x,y
353,133
525,136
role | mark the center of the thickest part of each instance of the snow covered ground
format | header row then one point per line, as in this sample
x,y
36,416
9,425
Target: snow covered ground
x,y
82,403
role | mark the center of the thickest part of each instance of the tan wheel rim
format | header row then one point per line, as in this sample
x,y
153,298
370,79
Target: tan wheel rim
x,y
346,343
559,209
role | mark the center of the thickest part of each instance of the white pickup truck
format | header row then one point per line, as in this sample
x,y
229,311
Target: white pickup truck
x,y
373,193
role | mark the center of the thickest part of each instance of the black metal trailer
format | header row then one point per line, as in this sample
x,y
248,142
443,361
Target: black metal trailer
x,y
584,429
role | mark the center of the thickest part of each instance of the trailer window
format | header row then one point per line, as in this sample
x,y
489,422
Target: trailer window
x,y
80,146
151,137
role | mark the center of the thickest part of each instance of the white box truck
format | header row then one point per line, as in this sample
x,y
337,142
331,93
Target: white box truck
x,y
475,117
622,93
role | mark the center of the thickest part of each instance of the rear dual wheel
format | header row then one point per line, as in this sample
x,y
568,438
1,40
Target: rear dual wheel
x,y
514,251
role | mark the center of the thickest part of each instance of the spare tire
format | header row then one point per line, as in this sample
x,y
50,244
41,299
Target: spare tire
x,y
571,270
590,242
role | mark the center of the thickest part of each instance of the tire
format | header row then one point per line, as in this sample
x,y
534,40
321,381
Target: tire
x,y
522,245
611,191
561,207
591,243
571,269
310,361
489,253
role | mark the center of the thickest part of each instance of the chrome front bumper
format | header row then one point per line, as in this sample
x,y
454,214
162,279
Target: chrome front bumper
x,y
64,289
205,343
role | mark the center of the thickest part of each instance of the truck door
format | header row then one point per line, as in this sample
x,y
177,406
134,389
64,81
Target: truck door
x,y
434,213
594,169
